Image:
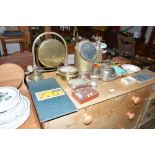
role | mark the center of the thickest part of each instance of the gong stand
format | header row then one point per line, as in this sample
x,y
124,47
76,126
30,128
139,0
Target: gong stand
x,y
51,53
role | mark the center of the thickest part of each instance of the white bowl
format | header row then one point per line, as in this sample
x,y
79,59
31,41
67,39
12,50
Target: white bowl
x,y
130,68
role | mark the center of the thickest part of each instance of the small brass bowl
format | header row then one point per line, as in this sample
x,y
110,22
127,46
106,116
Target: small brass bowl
x,y
67,72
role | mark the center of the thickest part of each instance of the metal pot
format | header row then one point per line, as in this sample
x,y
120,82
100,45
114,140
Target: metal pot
x,y
107,73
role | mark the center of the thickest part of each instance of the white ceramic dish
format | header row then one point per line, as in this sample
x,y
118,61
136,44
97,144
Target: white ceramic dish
x,y
20,118
130,68
12,113
9,97
9,106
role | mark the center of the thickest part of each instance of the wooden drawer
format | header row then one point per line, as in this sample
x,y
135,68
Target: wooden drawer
x,y
102,123
144,93
90,117
68,121
126,118
122,102
132,98
98,115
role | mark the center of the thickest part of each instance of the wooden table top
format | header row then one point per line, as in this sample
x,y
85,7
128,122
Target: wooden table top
x,y
32,122
16,72
103,88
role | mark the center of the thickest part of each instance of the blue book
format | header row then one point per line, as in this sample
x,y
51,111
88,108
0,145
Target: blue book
x,y
50,99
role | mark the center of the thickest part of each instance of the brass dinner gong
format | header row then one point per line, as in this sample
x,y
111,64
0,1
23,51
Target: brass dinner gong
x,y
51,53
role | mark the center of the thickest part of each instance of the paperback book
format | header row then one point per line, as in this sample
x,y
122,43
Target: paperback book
x,y
50,99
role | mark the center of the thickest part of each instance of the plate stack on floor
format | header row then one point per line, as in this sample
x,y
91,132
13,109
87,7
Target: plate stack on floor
x,y
14,108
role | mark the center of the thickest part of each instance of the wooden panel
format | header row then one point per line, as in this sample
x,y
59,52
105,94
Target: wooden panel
x,y
22,59
127,100
71,48
103,88
47,29
120,119
12,28
98,113
126,45
26,30
103,123
32,122
144,93
104,111
68,121
121,102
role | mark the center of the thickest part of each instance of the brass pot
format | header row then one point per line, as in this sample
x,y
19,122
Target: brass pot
x,y
85,56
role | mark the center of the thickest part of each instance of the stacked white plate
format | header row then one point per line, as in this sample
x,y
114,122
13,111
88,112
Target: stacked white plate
x,y
14,108
130,68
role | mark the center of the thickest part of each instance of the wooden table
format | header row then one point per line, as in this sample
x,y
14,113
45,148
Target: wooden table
x,y
32,122
122,108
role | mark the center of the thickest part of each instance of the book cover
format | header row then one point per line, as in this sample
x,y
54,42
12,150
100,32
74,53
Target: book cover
x,y
50,99
143,77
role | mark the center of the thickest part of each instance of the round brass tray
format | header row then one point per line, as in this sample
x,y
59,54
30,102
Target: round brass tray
x,y
51,53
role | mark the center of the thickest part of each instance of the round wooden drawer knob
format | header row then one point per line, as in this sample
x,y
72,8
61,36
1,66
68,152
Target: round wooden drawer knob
x,y
130,115
87,119
136,100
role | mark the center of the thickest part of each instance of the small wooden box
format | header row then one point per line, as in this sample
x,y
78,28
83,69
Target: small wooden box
x,y
85,94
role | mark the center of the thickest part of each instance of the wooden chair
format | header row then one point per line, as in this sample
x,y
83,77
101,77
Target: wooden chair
x,y
22,40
